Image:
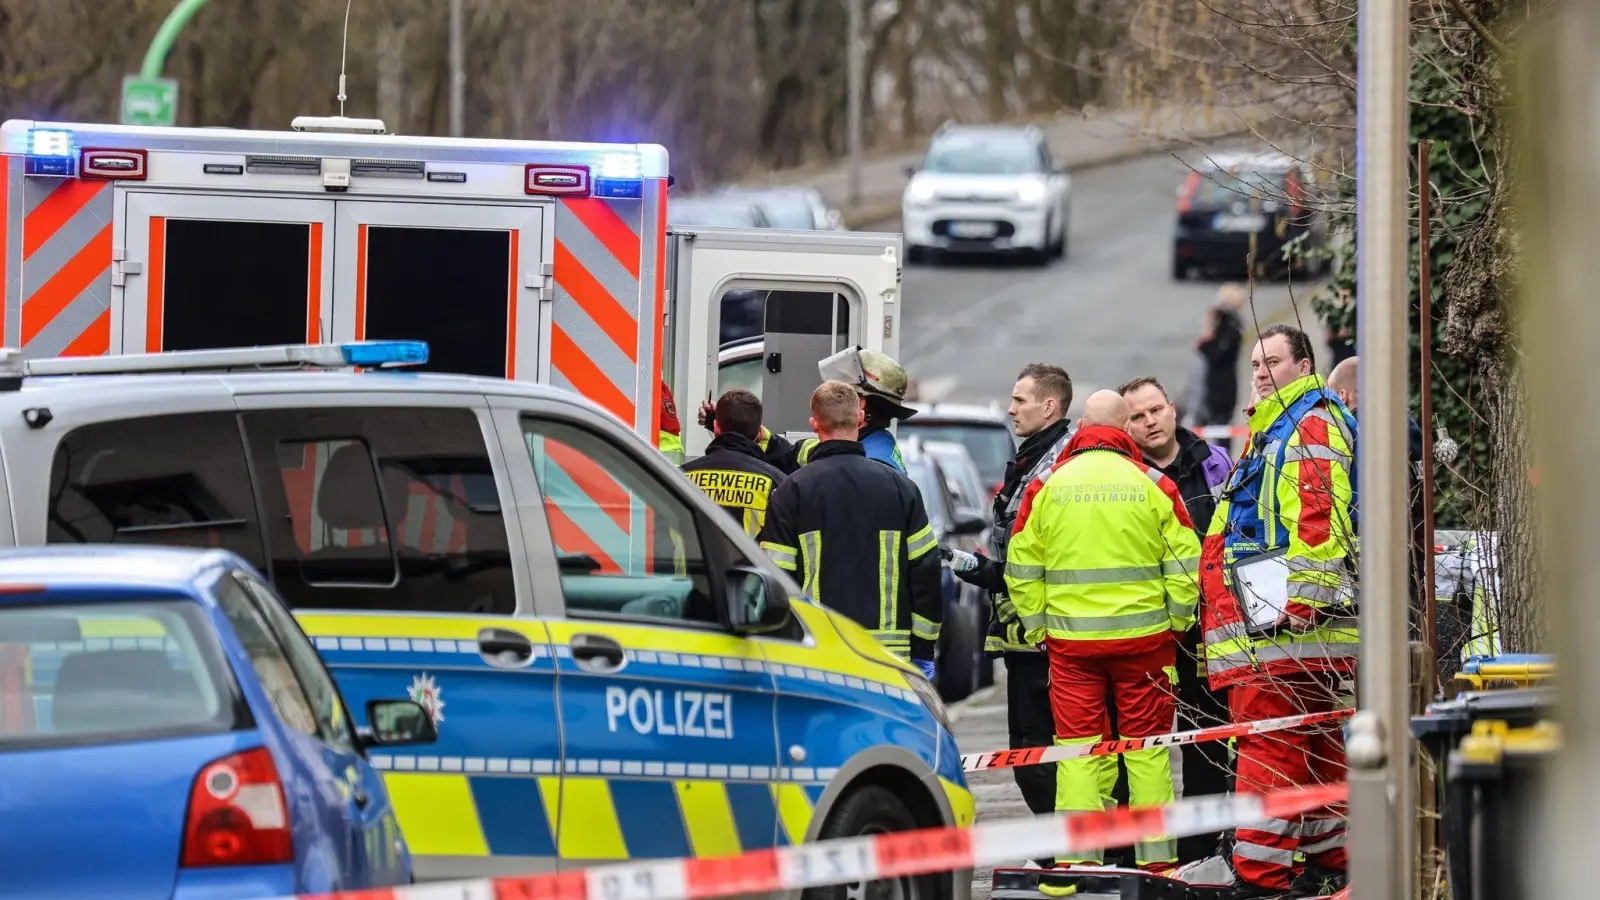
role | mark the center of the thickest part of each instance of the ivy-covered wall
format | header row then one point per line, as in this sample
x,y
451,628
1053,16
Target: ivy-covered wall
x,y
1458,163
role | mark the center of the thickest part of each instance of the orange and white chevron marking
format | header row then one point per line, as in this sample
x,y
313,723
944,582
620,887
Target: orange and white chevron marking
x,y
1035,756
850,860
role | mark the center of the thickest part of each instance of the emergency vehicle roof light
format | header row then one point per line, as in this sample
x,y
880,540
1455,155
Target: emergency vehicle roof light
x,y
620,165
377,354
49,143
385,353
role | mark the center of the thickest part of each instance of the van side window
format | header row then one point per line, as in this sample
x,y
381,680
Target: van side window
x,y
625,545
178,480
383,508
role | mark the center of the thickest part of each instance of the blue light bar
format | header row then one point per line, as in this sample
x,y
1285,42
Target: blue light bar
x,y
385,353
620,165
49,143
618,189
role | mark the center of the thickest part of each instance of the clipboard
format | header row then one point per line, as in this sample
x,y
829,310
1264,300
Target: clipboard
x,y
1261,583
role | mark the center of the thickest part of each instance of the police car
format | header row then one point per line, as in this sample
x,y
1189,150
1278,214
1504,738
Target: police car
x,y
615,670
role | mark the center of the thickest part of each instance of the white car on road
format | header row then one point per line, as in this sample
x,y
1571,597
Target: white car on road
x,y
987,189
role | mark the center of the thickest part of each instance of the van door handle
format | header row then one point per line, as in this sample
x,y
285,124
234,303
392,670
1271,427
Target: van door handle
x,y
504,648
597,653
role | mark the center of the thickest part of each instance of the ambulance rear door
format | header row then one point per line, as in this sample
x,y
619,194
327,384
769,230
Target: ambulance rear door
x,y
466,277
759,308
203,271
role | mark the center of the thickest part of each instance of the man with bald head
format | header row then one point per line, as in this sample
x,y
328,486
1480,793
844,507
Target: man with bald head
x,y
1102,569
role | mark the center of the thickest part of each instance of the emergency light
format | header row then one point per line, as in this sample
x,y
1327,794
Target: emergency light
x,y
385,353
619,165
51,153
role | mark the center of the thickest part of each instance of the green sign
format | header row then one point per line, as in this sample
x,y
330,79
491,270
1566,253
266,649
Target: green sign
x,y
149,101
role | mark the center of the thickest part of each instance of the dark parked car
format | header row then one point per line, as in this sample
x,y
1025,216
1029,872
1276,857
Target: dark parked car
x,y
1229,198
961,660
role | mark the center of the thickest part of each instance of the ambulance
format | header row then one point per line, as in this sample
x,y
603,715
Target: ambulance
x,y
529,260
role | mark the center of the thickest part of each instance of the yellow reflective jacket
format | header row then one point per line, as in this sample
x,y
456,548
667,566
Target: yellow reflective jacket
x,y
1102,552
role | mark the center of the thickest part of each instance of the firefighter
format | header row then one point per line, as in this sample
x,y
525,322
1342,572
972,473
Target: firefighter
x,y
1038,411
1102,570
732,472
881,382
1290,504
843,524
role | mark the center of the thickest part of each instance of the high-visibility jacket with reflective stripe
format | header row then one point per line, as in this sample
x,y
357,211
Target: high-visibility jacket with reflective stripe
x,y
671,446
879,444
1103,553
1303,506
856,536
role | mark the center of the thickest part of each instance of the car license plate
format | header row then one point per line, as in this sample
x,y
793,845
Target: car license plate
x,y
1239,223
973,229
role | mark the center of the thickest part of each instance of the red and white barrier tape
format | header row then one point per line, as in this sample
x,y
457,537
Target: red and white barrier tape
x,y
1034,756
849,860
1214,432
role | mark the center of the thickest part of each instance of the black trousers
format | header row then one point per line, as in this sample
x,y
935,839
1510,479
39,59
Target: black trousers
x,y
1207,768
1029,720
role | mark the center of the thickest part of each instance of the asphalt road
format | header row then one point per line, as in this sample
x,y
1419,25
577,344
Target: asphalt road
x,y
980,724
1109,312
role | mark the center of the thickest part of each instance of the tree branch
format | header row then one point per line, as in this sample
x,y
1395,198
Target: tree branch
x,y
1495,44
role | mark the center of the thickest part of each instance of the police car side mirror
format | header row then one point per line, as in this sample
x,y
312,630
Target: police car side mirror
x,y
397,723
757,602
966,522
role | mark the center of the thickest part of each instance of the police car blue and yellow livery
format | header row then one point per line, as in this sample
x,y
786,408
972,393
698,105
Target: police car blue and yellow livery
x,y
566,742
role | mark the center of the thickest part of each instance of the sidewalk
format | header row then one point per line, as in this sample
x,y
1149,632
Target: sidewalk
x,y
1081,141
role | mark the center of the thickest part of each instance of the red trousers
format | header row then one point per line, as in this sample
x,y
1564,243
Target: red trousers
x,y
1264,856
1080,677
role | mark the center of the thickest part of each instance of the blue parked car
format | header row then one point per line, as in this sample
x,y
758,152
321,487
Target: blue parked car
x,y
167,731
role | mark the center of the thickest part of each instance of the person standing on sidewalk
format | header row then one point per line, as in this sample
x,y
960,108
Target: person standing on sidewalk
x,y
1288,518
855,534
1039,402
1219,345
1199,470
1102,570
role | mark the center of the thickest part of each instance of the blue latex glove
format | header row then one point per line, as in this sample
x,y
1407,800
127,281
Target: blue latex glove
x,y
926,665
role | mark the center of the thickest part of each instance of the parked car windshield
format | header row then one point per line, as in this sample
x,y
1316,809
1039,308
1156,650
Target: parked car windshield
x,y
1219,188
100,673
991,446
982,155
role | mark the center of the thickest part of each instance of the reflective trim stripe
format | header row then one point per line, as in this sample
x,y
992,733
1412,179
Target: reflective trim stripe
x,y
1264,854
1181,610
1279,827
920,543
1095,624
1111,575
1031,622
924,628
889,578
1274,652
1318,593
1301,564
1310,828
1323,846
1303,452
1024,573
1185,566
1154,474
1147,852
783,556
896,641
1318,412
1224,633
811,559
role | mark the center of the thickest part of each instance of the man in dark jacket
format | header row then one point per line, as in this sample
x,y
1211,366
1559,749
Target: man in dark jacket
x,y
1038,413
732,472
1219,346
1200,471
855,534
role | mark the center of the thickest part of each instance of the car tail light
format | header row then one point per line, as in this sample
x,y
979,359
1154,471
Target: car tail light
x,y
237,814
1186,195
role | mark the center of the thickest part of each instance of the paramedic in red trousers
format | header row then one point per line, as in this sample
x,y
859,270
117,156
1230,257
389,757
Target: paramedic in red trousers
x,y
1291,494
1199,470
854,533
1102,570
1039,402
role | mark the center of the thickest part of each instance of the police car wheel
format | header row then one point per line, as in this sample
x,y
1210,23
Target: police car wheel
x,y
867,811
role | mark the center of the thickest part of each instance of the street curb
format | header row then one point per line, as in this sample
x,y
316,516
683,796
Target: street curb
x,y
855,217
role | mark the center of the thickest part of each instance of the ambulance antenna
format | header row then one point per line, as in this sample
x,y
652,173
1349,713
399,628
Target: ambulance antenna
x,y
344,48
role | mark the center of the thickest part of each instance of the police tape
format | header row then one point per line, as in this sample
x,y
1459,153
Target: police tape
x,y
1034,756
1215,432
861,859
